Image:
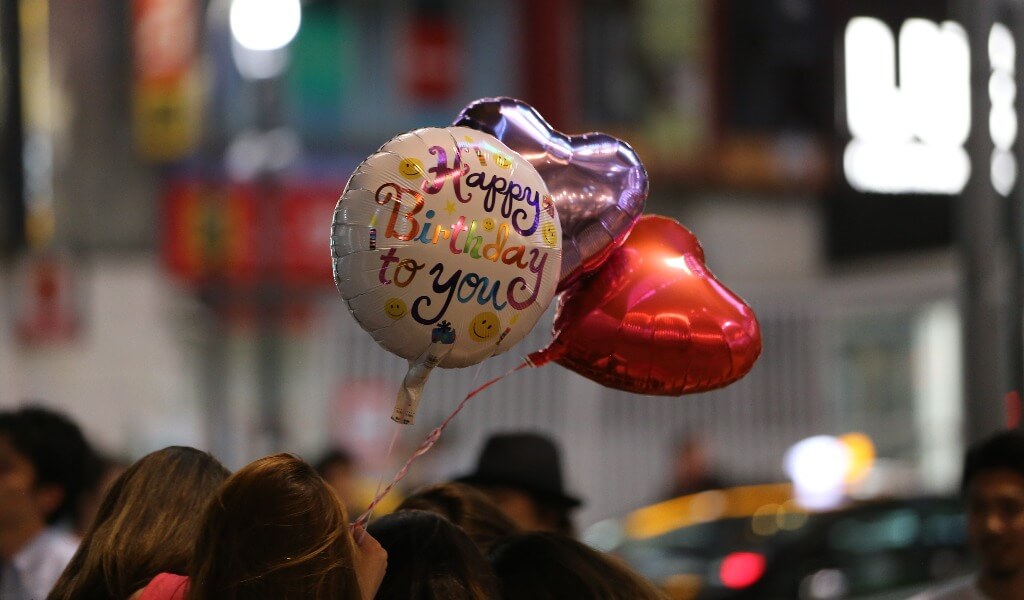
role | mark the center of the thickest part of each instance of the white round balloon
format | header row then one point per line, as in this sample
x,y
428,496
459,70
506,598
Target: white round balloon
x,y
446,238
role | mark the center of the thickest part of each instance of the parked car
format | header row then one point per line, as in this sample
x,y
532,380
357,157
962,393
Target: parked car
x,y
757,542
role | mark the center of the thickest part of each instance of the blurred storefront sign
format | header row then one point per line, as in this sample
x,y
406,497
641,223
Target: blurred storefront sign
x,y
901,127
165,83
431,61
46,309
212,233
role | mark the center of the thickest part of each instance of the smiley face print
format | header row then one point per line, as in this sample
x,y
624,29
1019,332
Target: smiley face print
x,y
395,308
549,232
484,326
411,168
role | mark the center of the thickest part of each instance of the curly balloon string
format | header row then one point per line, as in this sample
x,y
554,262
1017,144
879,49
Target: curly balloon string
x,y
428,443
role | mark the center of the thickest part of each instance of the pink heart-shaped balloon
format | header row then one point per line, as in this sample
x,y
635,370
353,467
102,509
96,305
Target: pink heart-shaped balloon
x,y
654,320
597,183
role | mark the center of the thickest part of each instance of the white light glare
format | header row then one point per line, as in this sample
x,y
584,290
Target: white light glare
x,y
265,24
907,138
818,466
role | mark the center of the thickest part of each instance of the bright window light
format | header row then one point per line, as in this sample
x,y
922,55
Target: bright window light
x,y
1004,171
907,138
1002,116
265,24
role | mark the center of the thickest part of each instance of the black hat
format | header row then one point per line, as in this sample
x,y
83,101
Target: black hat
x,y
524,461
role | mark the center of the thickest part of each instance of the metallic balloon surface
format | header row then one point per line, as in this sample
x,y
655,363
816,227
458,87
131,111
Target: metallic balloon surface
x,y
654,320
597,182
443,247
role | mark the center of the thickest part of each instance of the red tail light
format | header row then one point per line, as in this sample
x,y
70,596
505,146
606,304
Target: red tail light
x,y
741,569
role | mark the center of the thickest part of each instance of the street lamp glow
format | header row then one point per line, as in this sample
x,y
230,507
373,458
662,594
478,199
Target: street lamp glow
x,y
265,24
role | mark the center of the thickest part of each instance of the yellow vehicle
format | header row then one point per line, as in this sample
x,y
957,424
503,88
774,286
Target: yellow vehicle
x,y
758,542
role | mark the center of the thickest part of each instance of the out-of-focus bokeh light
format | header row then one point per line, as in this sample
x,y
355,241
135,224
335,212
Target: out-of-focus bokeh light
x,y
265,24
861,453
907,138
818,466
1002,118
741,569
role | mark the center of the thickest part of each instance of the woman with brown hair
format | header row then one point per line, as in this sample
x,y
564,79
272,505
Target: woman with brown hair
x,y
276,531
466,507
429,558
550,566
146,524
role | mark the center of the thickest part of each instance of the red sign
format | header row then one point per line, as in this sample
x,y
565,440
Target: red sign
x,y
47,311
238,234
432,61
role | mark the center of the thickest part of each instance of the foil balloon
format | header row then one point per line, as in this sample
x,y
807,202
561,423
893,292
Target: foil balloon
x,y
654,320
446,249
597,182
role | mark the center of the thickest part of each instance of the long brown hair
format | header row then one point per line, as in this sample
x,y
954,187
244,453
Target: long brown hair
x,y
275,530
146,524
429,558
550,566
466,507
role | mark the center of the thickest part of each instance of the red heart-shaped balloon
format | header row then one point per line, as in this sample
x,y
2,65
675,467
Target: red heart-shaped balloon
x,y
654,320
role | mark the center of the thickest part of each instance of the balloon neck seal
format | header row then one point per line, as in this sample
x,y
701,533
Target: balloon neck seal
x,y
408,400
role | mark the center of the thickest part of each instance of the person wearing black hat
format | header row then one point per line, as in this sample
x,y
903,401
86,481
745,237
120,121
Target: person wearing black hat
x,y
522,473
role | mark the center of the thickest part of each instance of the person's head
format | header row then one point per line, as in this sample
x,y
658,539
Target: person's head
x,y
43,457
691,460
549,566
145,525
466,507
100,475
522,474
993,486
338,468
274,530
429,558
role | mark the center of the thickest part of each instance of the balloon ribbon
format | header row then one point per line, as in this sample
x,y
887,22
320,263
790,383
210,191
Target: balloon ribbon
x,y
429,442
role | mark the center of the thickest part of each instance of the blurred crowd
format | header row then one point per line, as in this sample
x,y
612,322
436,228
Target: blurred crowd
x,y
177,524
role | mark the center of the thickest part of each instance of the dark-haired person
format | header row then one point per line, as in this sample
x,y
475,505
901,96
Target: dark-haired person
x,y
147,524
993,488
43,456
550,566
429,558
466,507
522,474
276,531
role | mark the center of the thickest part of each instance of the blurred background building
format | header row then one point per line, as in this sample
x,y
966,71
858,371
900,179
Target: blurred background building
x,y
169,170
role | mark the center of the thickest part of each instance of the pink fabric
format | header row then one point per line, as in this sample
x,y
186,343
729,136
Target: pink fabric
x,y
166,586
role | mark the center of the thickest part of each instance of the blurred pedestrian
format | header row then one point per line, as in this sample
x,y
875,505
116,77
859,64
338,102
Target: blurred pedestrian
x,y
43,456
146,525
338,468
549,566
341,471
993,488
429,558
692,469
100,474
276,530
467,508
522,474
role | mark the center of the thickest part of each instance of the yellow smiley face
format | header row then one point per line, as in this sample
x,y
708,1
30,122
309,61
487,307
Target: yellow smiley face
x,y
549,232
395,308
502,161
411,168
483,326
488,224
